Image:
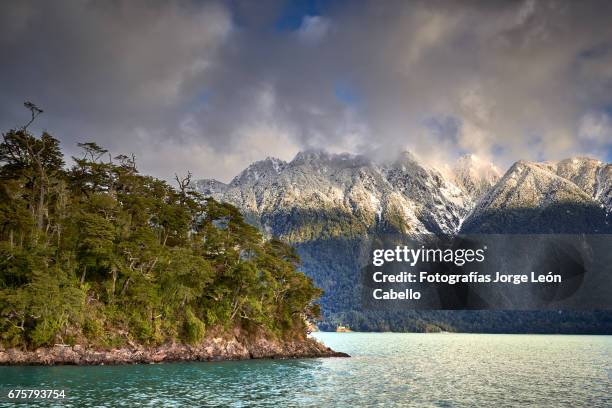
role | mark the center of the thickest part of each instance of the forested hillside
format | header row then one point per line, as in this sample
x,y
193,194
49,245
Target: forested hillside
x,y
328,205
96,253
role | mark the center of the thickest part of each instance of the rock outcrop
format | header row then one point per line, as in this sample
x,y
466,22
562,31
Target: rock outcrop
x,y
211,349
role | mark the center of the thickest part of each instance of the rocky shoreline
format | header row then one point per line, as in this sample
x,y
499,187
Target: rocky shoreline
x,y
211,349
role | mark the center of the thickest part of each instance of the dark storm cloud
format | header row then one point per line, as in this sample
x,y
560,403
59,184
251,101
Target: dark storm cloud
x,y
212,86
120,73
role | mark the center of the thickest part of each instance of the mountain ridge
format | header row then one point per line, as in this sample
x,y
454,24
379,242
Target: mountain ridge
x,y
326,205
400,194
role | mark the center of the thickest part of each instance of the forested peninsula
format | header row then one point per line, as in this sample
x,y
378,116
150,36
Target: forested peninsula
x,y
100,264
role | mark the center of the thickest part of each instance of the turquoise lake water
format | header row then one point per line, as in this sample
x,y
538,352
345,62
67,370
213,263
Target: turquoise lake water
x,y
386,369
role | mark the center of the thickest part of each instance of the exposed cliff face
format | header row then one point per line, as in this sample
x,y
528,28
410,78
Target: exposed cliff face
x,y
217,348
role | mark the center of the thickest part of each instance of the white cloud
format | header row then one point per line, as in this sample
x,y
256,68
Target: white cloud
x,y
313,28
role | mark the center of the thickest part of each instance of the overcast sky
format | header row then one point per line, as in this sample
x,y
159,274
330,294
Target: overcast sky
x,y
212,86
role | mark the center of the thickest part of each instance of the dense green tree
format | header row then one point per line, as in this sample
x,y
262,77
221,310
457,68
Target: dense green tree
x,y
98,253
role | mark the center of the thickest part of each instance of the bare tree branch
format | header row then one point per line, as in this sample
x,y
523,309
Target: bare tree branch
x,y
34,110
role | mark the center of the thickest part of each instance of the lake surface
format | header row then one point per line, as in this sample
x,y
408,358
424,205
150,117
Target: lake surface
x,y
386,369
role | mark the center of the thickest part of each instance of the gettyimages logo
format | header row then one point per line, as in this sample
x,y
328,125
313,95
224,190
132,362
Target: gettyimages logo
x,y
488,272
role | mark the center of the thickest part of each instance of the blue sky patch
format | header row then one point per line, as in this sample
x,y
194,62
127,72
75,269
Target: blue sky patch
x,y
294,12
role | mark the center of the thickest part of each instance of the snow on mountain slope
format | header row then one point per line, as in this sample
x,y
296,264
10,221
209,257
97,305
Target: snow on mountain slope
x,y
211,188
581,171
603,186
401,195
318,193
532,197
528,185
592,176
440,204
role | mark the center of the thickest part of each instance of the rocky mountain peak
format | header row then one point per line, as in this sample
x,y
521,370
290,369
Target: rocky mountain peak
x,y
210,187
318,159
529,184
347,193
258,171
582,171
532,197
310,156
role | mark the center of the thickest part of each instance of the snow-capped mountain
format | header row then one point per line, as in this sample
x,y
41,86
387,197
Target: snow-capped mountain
x,y
359,194
326,205
545,197
319,194
441,204
210,187
592,176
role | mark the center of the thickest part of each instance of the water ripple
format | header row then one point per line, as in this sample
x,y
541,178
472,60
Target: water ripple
x,y
387,369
